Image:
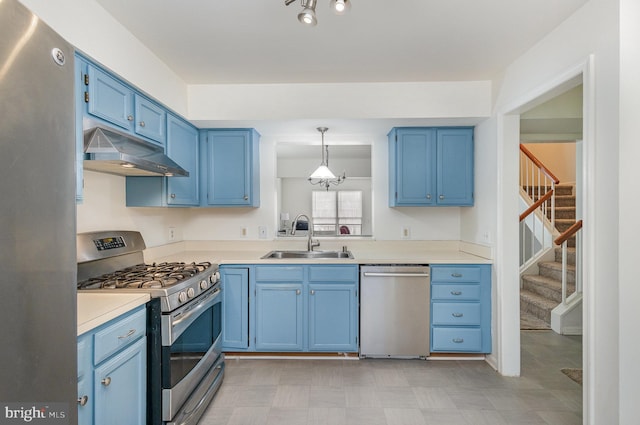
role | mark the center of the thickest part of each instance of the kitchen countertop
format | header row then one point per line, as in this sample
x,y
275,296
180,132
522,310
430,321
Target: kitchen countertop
x,y
234,252
95,309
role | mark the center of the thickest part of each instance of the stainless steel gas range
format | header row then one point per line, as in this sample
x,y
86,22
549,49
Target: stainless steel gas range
x,y
185,360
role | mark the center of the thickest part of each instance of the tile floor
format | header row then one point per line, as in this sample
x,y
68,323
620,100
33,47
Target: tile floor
x,y
404,392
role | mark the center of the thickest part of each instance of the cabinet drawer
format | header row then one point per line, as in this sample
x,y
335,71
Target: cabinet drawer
x,y
330,274
455,292
463,314
456,339
118,335
279,274
455,274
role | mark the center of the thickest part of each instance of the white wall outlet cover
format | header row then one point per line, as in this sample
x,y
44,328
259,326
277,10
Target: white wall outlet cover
x,y
244,232
262,232
406,232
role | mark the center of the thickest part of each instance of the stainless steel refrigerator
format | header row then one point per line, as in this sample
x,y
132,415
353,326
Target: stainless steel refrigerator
x,y
37,220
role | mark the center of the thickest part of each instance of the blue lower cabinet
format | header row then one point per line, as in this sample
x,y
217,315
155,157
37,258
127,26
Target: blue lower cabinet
x,y
121,381
235,307
279,320
461,308
112,372
290,307
333,317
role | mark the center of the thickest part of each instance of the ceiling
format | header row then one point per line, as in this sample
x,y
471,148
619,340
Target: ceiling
x,y
261,41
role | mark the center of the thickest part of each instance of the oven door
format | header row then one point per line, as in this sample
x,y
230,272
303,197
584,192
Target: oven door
x,y
191,345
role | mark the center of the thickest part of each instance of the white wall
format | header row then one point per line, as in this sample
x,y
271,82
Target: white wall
x,y
559,158
104,209
591,30
86,25
629,204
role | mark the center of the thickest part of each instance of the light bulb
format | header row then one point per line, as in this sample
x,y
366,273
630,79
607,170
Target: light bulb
x,y
340,6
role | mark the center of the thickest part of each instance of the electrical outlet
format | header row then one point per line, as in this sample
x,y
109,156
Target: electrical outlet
x,y
172,233
243,232
262,232
406,232
486,236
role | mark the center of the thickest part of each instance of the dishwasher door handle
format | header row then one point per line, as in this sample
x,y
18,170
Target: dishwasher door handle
x,y
391,274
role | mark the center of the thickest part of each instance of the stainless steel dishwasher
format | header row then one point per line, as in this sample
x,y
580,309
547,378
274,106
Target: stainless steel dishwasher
x,y
394,311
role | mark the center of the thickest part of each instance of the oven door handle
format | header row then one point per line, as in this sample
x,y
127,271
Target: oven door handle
x,y
205,303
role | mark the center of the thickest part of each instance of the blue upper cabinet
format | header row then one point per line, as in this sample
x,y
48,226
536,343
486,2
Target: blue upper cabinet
x,y
112,101
412,160
150,119
431,166
454,178
183,148
232,168
109,99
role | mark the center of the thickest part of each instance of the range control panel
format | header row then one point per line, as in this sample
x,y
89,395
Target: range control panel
x,y
104,244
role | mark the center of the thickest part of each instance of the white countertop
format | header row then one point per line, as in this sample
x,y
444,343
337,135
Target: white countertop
x,y
364,252
95,309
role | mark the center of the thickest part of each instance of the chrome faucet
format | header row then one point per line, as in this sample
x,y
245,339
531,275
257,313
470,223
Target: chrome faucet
x,y
310,242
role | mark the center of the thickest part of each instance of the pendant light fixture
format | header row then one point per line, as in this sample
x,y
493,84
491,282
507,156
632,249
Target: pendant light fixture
x,y
308,14
323,175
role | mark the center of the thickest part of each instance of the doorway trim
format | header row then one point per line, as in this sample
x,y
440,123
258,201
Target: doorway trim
x,y
508,300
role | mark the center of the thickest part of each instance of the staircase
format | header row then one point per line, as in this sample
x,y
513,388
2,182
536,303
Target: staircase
x,y
541,293
565,210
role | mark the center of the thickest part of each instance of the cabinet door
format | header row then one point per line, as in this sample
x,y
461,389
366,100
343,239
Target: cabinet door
x,y
150,119
230,164
333,317
182,147
109,99
120,387
455,166
235,308
414,164
85,381
279,320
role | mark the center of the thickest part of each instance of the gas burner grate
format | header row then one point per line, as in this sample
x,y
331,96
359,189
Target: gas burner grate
x,y
156,275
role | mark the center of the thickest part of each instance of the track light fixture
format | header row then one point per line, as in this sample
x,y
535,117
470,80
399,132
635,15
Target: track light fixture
x,y
308,14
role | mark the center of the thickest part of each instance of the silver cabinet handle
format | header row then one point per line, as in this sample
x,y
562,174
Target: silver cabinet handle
x,y
390,274
313,292
131,332
82,401
458,340
456,274
441,196
129,117
456,292
173,196
106,381
142,124
428,196
297,292
246,197
457,314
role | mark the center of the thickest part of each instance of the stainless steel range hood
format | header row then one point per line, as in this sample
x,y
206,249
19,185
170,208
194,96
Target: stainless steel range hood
x,y
113,152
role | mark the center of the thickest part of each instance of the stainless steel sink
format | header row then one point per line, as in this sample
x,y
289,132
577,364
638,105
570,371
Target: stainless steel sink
x,y
286,255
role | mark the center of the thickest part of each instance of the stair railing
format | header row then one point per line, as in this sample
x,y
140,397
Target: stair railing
x,y
535,237
537,180
562,240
